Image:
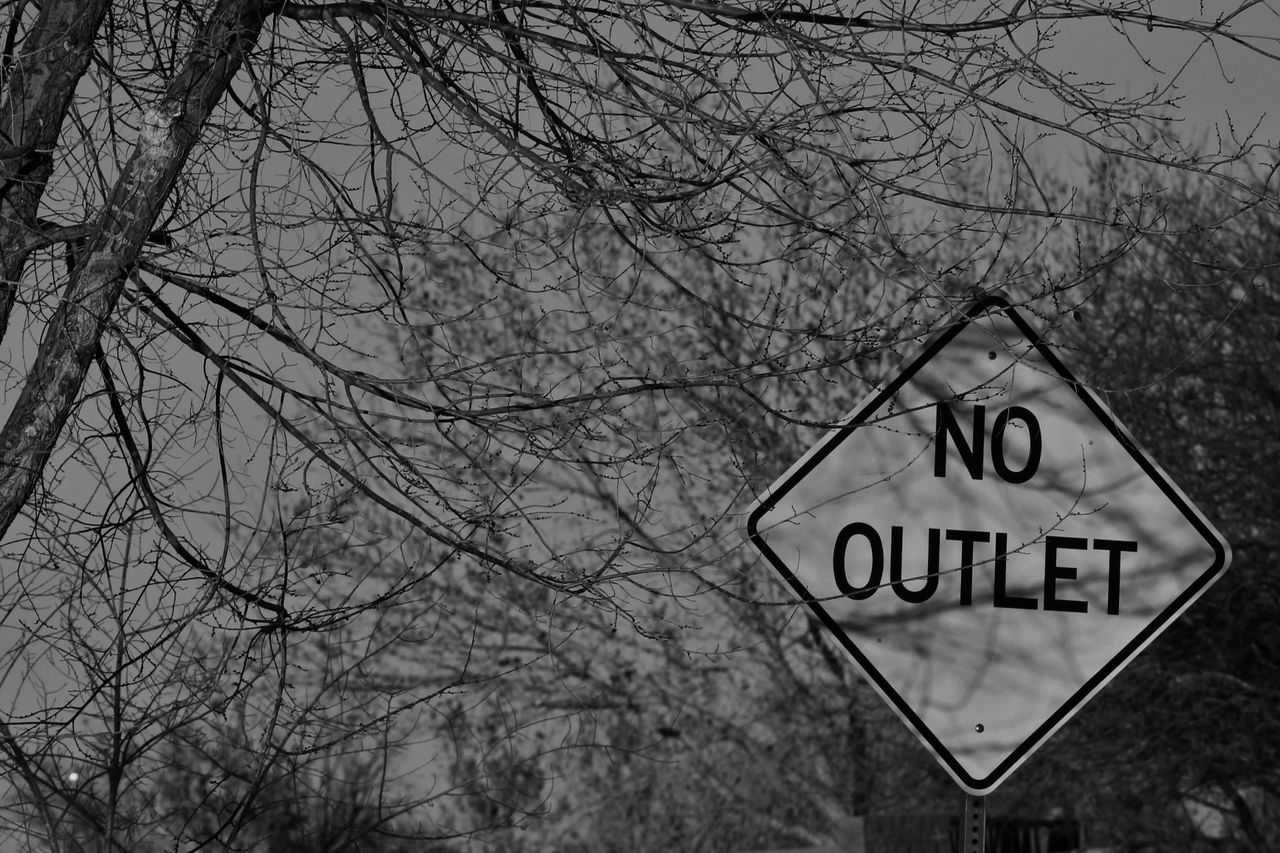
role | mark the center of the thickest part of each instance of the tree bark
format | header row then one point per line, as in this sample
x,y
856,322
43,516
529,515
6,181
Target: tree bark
x,y
169,132
41,83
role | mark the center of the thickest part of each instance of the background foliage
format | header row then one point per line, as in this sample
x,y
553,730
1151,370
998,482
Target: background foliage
x,y
384,383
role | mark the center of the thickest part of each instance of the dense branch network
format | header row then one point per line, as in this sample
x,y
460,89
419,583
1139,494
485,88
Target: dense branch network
x,y
326,322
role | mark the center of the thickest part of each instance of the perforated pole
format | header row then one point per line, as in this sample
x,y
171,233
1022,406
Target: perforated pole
x,y
975,824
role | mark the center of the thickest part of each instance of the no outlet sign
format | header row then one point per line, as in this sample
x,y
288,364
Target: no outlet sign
x,y
987,543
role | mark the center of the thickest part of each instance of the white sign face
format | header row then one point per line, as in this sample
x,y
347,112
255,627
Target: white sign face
x,y
987,543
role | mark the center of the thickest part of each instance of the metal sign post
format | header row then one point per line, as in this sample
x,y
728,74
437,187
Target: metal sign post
x,y
975,824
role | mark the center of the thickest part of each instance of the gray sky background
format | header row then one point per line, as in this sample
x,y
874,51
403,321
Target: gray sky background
x,y
1217,88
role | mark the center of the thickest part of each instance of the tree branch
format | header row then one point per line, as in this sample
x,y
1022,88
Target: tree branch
x,y
169,132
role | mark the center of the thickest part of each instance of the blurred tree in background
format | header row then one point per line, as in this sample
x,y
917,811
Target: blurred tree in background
x,y
1182,336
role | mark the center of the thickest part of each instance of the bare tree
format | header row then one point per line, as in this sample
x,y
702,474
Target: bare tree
x,y
1181,334
272,267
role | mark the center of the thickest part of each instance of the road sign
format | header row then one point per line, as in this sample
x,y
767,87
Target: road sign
x,y
987,543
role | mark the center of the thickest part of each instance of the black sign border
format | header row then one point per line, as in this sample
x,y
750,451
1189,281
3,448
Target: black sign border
x,y
829,443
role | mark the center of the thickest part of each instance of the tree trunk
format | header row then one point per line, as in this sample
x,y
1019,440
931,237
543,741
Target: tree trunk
x,y
41,82
170,130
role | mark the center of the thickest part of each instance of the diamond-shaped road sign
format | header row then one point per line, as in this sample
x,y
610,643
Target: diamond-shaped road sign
x,y
987,543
